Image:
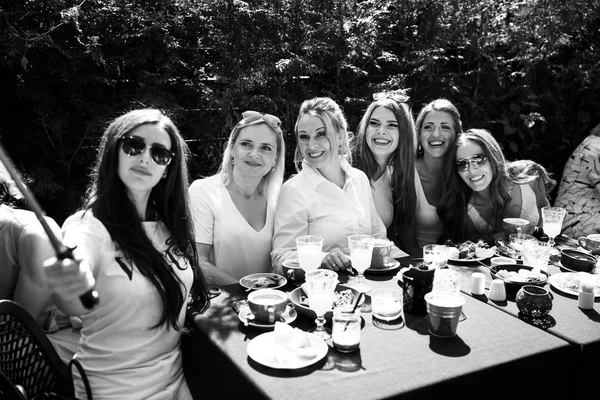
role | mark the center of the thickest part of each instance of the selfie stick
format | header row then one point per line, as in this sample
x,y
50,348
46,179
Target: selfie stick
x,y
88,299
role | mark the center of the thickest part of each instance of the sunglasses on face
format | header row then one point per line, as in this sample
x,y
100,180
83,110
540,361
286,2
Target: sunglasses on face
x,y
255,117
475,162
399,96
135,145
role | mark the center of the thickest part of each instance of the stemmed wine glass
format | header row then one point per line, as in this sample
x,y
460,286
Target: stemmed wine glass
x,y
320,287
518,223
361,251
553,218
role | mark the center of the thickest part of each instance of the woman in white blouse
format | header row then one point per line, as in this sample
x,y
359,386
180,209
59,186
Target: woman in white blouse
x,y
233,210
328,197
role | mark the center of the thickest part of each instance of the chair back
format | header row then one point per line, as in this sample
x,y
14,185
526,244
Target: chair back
x,y
27,357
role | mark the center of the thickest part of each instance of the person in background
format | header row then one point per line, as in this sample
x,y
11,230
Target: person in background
x,y
437,125
24,246
384,150
579,189
233,210
526,171
328,197
135,242
479,192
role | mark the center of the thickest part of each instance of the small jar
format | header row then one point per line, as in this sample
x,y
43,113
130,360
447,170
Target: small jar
x,y
346,326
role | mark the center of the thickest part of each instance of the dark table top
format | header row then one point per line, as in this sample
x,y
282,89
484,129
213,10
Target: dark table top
x,y
492,349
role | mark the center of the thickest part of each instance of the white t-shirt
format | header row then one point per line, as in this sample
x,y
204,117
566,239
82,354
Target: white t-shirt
x,y
238,249
122,357
309,204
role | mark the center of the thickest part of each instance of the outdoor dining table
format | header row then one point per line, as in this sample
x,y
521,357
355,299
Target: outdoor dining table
x,y
566,320
493,353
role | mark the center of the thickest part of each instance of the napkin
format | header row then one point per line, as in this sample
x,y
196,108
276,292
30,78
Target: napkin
x,y
290,344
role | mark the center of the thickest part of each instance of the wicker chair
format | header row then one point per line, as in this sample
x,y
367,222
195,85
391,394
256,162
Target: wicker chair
x,y
27,358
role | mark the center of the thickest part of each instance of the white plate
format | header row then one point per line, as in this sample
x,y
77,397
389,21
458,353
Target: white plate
x,y
249,281
390,265
288,316
261,350
562,280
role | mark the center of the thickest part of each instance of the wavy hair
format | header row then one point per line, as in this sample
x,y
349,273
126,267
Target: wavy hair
x,y
525,171
441,105
270,183
334,120
452,208
107,198
402,161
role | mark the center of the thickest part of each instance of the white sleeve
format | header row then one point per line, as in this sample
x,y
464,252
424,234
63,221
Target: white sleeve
x,y
203,218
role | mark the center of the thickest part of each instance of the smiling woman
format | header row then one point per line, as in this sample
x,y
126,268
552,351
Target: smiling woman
x,y
479,192
233,210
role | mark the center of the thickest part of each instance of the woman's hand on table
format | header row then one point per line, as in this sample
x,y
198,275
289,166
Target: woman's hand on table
x,y
336,261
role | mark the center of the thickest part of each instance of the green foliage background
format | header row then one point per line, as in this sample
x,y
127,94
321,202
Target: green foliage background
x,y
528,70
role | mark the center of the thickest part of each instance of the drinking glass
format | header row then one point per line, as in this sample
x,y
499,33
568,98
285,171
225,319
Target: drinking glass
x,y
321,285
553,218
309,252
536,254
435,255
516,242
361,251
518,223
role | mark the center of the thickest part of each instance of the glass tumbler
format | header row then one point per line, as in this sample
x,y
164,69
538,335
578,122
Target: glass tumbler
x,y
346,328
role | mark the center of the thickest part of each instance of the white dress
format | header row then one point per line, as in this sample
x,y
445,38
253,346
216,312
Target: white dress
x,y
238,248
429,226
382,196
122,356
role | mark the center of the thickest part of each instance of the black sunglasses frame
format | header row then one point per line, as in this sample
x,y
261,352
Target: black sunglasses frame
x,y
131,146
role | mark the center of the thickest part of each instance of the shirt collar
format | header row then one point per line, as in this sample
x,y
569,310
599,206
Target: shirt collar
x,y
315,178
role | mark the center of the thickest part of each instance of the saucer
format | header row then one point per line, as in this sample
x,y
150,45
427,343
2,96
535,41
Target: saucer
x,y
288,316
390,265
273,281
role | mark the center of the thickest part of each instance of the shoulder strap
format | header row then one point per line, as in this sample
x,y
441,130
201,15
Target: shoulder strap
x,y
86,383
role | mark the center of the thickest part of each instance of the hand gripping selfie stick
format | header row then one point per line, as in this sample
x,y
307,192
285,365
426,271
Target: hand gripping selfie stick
x,y
88,299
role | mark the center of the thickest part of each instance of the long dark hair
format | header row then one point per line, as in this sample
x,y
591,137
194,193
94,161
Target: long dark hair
x,y
441,105
107,198
402,161
452,208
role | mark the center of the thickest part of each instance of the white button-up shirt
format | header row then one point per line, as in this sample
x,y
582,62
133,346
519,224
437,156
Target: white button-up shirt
x,y
309,204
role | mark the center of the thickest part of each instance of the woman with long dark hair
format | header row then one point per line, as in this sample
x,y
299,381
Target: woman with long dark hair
x,y
134,240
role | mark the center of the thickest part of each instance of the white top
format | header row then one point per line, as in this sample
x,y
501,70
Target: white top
x,y
122,356
238,249
382,196
309,204
429,226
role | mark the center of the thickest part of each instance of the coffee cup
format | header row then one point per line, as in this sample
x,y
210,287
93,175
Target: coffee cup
x,y
292,271
381,251
590,242
415,283
267,305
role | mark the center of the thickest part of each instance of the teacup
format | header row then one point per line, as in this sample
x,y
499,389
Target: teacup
x,y
381,251
267,305
590,242
292,271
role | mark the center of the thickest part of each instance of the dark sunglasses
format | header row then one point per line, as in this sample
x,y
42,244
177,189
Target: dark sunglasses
x,y
255,117
399,96
135,145
475,161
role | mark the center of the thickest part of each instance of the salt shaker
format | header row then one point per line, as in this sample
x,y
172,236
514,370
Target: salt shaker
x,y
585,298
477,283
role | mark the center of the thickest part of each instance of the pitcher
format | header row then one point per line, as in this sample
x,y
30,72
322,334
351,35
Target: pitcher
x,y
415,284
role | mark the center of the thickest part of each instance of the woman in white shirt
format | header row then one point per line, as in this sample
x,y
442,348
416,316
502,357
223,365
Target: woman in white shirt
x,y
328,197
233,210
385,151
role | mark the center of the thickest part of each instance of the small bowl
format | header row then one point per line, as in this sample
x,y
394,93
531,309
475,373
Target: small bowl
x,y
577,261
517,284
302,308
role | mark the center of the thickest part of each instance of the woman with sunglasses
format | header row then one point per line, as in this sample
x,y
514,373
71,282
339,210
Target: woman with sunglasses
x,y
385,152
233,210
480,193
134,241
328,197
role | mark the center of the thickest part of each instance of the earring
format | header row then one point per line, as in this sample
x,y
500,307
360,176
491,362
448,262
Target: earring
x,y
232,161
164,175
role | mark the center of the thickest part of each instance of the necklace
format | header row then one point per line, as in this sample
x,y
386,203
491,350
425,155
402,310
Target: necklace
x,y
246,195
